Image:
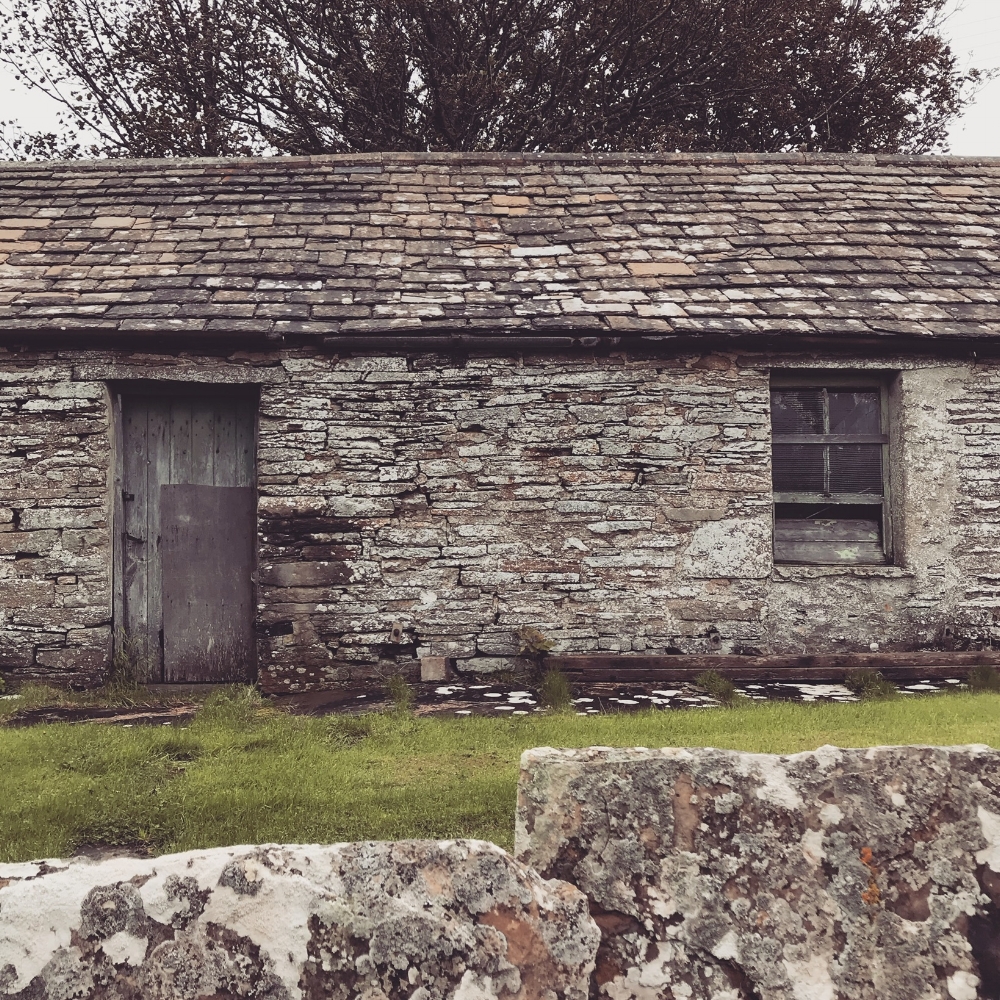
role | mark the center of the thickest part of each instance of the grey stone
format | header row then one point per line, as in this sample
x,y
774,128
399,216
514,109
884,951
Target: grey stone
x,y
434,668
694,513
489,664
433,920
304,574
828,875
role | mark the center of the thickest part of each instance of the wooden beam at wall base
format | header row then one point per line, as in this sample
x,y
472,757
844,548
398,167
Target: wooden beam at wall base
x,y
829,668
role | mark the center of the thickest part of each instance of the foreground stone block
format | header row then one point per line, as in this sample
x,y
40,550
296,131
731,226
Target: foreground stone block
x,y
831,875
415,919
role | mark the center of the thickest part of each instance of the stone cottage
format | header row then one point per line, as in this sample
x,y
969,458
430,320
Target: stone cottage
x,y
308,420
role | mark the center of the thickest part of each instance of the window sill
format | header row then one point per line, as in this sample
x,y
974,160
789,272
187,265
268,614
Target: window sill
x,y
790,571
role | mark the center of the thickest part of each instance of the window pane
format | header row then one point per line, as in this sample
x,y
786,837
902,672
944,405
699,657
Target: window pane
x,y
855,413
828,534
797,411
797,468
856,468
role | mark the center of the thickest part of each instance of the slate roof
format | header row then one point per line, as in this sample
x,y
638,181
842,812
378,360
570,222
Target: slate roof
x,y
346,249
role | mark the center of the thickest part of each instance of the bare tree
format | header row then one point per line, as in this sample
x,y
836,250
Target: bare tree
x,y
203,77
139,77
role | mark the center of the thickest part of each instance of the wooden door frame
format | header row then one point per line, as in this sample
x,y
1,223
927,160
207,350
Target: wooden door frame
x,y
249,391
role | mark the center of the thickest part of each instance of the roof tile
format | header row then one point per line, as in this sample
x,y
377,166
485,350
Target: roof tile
x,y
409,244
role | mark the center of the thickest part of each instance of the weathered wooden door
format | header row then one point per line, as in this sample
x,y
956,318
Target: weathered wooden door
x,y
188,535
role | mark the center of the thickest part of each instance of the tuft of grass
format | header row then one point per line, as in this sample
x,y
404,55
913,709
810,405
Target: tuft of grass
x,y
722,689
349,730
870,685
234,704
555,692
244,772
128,673
400,694
983,678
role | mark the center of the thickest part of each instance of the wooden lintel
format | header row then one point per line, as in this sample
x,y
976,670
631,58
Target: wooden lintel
x,y
828,668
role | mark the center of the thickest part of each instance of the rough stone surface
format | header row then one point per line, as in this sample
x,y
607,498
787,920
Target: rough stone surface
x,y
423,505
593,458
829,875
415,919
434,668
561,246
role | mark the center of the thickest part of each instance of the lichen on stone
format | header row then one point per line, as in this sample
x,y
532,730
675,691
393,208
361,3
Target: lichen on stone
x,y
421,920
829,875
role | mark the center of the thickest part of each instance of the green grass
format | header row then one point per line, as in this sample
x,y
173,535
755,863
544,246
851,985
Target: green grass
x,y
870,685
555,692
245,773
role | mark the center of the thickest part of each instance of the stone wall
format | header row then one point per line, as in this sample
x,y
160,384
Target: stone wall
x,y
427,505
618,505
420,920
866,874
55,525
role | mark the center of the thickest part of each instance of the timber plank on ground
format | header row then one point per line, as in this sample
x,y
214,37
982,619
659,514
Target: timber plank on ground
x,y
829,668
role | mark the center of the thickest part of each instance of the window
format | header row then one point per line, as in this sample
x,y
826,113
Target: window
x,y
829,468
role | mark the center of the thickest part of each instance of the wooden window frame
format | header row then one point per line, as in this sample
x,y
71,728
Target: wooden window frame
x,y
841,380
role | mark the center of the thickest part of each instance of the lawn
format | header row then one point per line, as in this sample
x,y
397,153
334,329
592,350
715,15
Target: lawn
x,y
243,772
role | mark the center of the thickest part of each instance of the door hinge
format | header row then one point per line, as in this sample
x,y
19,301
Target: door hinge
x,y
127,496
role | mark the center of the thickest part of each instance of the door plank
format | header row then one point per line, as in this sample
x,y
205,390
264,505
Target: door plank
x,y
158,434
246,443
202,442
208,558
224,445
135,530
180,440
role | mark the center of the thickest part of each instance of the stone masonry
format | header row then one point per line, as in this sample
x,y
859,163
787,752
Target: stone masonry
x,y
55,534
615,503
504,390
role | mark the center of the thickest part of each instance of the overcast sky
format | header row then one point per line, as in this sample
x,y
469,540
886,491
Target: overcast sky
x,y
973,27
